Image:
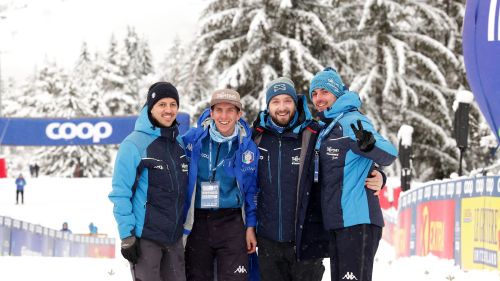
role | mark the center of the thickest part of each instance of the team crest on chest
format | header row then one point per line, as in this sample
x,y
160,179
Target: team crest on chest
x,y
248,157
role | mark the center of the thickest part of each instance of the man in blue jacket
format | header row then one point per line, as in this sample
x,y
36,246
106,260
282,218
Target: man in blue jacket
x,y
292,240
220,206
20,183
345,152
149,190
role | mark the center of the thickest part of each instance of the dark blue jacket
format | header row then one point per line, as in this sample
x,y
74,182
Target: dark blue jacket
x,y
288,210
344,168
242,165
149,183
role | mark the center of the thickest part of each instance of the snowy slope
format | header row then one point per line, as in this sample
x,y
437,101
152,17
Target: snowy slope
x,y
50,202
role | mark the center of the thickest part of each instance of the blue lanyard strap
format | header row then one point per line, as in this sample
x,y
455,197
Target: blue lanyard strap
x,y
321,136
213,170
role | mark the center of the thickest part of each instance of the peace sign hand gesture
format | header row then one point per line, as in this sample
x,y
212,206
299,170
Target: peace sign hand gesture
x,y
365,139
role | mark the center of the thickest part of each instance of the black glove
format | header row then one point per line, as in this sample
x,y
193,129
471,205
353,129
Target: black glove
x,y
365,139
130,249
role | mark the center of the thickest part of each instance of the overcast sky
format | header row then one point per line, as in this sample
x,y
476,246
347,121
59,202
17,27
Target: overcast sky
x,y
36,30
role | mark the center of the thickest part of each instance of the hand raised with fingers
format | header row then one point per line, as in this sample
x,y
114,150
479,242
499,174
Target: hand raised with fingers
x,y
364,138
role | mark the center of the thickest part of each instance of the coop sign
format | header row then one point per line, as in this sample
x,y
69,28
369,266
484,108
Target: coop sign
x,y
84,130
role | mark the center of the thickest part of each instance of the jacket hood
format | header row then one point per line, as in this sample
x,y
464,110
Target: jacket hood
x,y
347,102
305,116
143,124
205,120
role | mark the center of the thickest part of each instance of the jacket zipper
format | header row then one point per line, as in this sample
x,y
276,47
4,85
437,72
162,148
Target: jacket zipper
x,y
280,225
177,186
269,169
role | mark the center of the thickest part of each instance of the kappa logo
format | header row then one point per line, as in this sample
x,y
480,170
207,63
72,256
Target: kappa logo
x,y
158,167
241,269
184,167
296,160
349,276
248,157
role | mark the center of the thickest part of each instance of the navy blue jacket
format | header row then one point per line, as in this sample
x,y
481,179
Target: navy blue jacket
x,y
288,210
149,183
344,168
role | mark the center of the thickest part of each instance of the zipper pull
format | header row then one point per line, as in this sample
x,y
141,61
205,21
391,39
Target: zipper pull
x,y
316,166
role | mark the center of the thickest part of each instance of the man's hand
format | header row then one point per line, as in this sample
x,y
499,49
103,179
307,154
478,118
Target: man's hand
x,y
130,249
365,139
251,240
374,182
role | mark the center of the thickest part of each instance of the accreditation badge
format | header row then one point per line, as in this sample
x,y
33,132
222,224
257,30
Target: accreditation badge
x,y
210,195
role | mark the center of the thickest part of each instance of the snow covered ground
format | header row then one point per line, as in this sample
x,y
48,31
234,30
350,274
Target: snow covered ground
x,y
50,202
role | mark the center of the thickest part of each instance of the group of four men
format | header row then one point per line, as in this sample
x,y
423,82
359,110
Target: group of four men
x,y
296,182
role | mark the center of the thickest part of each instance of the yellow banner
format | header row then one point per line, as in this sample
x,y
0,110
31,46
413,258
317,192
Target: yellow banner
x,y
480,233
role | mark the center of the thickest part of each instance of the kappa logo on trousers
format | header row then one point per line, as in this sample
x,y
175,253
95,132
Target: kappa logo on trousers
x,y
240,269
349,276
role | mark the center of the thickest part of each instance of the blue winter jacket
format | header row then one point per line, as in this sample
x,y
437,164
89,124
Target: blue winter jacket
x,y
242,165
149,183
20,183
344,168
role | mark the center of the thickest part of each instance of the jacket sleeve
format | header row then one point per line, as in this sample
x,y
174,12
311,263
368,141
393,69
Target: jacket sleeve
x,y
384,152
250,188
127,160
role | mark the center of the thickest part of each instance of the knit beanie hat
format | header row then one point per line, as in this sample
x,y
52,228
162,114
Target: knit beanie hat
x,y
280,86
160,90
329,80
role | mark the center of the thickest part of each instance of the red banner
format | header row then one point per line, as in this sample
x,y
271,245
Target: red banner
x,y
402,237
435,232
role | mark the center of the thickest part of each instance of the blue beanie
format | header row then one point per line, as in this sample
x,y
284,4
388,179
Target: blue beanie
x,y
329,80
281,86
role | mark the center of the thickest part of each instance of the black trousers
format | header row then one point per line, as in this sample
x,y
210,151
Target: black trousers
x,y
22,196
278,262
221,235
159,262
352,252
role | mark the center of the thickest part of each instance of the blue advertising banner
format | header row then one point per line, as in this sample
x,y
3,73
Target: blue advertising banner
x,y
62,245
481,45
5,225
75,131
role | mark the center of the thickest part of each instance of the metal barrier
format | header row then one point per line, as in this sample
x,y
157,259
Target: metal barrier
x,y
20,238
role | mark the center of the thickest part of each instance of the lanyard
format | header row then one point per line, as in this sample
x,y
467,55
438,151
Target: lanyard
x,y
321,136
214,170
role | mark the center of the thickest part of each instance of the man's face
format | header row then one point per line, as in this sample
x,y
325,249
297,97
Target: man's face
x,y
225,116
282,109
165,111
323,99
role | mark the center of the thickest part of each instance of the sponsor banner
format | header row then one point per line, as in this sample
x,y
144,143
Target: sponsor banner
x,y
5,227
480,233
62,245
458,232
435,228
481,48
402,233
75,131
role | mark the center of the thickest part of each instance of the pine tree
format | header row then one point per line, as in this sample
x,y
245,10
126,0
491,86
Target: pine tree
x,y
115,75
402,61
249,43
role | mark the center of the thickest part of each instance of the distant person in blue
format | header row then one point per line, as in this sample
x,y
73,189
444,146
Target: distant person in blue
x,y
66,229
149,189
20,183
221,201
346,151
92,229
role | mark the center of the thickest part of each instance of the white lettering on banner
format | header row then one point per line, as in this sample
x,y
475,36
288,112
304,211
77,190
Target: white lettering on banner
x,y
489,185
84,130
492,20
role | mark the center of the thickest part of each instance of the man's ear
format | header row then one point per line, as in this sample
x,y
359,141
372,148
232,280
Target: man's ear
x,y
240,113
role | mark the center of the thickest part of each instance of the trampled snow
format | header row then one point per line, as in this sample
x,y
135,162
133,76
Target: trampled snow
x,y
52,201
